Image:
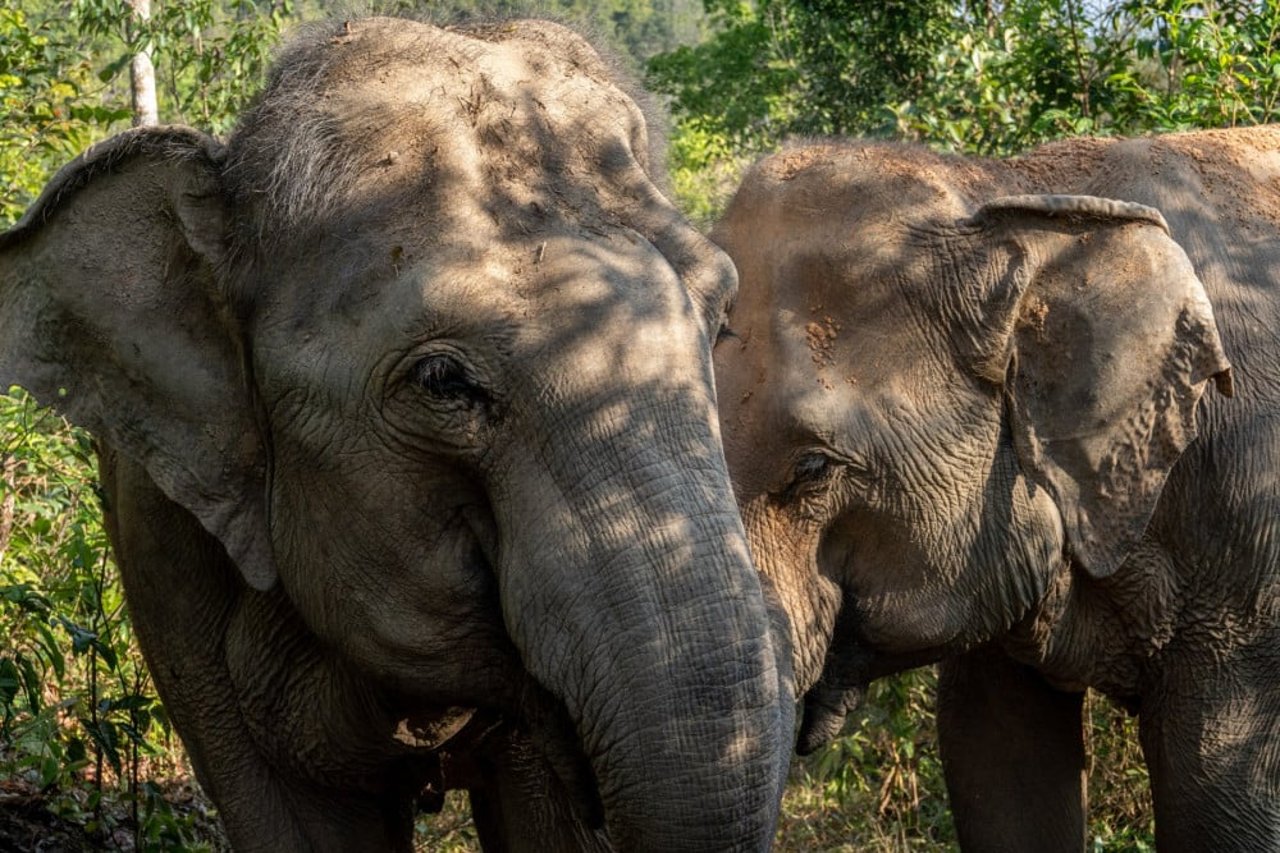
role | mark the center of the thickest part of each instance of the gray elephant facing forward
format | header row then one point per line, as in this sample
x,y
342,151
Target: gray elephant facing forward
x,y
961,404
408,439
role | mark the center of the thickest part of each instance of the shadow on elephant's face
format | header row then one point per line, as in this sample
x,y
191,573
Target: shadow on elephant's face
x,y
488,331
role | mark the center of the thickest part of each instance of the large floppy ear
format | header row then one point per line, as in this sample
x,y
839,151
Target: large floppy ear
x,y
110,310
1104,338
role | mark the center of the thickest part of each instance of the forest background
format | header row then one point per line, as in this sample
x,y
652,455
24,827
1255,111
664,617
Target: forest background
x,y
87,757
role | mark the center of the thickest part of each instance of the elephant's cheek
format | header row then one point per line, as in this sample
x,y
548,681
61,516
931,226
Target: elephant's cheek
x,y
785,553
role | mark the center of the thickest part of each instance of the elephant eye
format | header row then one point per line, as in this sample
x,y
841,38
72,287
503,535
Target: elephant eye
x,y
444,377
812,467
812,477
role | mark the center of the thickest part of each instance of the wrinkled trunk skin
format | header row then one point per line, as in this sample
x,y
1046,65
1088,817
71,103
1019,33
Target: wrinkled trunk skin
x,y
630,593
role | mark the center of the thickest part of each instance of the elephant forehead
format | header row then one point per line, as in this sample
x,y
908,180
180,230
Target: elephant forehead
x,y
818,336
856,332
383,116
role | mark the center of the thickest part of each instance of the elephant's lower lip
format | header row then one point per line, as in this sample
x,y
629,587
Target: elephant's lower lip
x,y
430,731
825,709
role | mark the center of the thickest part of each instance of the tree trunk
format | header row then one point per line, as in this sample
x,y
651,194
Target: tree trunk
x,y
142,75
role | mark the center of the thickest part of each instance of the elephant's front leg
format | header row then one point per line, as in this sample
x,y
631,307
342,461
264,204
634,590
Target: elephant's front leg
x,y
1013,755
1211,737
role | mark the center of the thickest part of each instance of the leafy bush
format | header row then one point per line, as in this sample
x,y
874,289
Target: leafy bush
x,y
80,726
79,721
49,109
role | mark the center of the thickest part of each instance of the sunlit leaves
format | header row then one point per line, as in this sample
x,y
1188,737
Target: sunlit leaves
x,y
49,108
210,56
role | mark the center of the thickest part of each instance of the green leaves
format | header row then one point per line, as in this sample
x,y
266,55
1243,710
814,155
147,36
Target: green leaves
x,y
779,67
76,704
981,78
44,81
886,766
210,57
74,693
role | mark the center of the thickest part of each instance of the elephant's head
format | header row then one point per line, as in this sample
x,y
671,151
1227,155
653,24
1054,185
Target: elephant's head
x,y
939,394
424,344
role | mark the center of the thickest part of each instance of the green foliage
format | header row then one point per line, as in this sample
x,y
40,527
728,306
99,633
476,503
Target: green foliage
x,y
739,86
78,716
982,78
1006,83
49,109
884,773
79,722
56,97
1201,65
209,56
1044,70
1119,785
778,67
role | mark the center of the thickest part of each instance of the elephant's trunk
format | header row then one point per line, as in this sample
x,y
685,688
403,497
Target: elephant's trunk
x,y
628,588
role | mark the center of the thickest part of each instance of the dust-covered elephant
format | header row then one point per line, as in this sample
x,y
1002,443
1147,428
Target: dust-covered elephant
x,y
960,401
410,451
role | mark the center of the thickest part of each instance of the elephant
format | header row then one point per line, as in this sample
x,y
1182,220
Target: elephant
x,y
409,449
964,406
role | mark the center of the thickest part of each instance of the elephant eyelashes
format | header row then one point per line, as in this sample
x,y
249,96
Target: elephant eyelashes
x,y
724,332
812,466
810,476
445,378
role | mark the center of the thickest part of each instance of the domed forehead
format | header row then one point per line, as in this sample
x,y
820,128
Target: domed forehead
x,y
837,251
366,115
484,81
838,206
860,177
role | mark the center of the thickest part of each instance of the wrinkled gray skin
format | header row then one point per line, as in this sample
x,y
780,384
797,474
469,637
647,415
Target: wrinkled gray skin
x,y
960,404
410,450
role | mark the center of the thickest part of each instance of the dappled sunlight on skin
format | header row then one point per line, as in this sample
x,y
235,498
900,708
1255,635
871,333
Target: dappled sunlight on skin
x,y
479,338
583,303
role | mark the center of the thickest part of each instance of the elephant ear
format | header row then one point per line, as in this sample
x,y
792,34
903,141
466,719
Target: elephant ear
x,y
1104,338
109,310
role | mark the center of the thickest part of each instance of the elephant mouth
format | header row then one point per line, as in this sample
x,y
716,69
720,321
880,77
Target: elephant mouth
x,y
540,734
825,710
851,664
